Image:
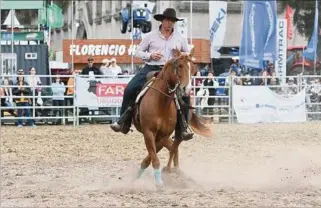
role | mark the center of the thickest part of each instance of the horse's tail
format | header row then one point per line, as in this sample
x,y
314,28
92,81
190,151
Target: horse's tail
x,y
198,125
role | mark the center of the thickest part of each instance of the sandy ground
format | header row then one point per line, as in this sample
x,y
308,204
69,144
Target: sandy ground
x,y
90,166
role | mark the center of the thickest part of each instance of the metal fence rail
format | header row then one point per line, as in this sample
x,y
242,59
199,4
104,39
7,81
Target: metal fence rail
x,y
214,102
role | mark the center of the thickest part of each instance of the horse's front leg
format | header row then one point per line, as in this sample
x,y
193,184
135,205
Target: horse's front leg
x,y
149,137
147,160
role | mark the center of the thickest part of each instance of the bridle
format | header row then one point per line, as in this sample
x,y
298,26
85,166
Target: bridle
x,y
175,64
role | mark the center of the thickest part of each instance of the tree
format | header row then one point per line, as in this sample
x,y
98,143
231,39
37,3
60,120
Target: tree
x,y
26,16
303,17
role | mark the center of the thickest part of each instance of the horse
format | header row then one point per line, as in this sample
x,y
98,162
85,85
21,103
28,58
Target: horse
x,y
155,115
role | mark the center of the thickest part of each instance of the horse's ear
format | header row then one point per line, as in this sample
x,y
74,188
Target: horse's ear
x,y
176,52
191,53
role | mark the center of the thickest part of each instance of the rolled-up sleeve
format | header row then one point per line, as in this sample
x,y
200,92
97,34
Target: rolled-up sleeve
x,y
185,47
142,49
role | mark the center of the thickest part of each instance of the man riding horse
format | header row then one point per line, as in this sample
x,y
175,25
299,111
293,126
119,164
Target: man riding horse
x,y
156,49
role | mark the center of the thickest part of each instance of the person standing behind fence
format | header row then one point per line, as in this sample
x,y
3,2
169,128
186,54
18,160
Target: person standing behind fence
x,y
8,100
91,68
34,82
58,90
22,90
104,68
114,68
70,92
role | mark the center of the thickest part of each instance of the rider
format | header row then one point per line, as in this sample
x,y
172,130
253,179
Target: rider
x,y
155,49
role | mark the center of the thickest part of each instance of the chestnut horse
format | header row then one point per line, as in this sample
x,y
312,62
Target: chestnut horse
x,y
157,113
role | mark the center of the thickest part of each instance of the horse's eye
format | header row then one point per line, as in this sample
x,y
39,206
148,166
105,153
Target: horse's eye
x,y
180,66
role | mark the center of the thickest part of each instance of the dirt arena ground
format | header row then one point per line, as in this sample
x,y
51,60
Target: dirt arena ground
x,y
275,165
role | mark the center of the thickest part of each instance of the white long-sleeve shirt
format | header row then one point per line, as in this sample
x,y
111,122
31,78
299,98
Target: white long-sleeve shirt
x,y
156,42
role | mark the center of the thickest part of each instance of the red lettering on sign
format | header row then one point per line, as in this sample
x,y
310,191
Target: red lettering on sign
x,y
110,90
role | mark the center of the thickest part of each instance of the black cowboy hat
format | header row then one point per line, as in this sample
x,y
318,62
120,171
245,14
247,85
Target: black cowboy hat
x,y
169,13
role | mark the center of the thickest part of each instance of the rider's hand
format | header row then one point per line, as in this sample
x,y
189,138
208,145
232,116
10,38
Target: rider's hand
x,y
156,56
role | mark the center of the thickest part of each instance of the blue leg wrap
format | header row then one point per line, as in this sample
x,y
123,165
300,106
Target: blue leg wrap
x,y
158,176
140,172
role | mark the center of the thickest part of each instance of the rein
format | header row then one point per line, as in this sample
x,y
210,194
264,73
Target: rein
x,y
174,62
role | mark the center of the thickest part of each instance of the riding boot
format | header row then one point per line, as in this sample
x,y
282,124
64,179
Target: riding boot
x,y
181,129
124,123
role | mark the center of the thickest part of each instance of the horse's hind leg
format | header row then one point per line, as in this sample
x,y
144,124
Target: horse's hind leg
x,y
175,150
147,160
151,148
173,156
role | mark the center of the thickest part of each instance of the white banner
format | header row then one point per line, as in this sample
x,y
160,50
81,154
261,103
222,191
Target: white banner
x,y
181,27
106,92
281,49
258,104
217,21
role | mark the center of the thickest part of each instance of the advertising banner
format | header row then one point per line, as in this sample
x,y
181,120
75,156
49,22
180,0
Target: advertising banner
x,y
105,92
259,104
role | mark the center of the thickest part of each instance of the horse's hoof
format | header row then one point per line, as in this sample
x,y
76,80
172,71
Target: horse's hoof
x,y
160,186
176,170
166,170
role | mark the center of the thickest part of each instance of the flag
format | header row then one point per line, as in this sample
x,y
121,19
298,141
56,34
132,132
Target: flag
x,y
259,33
270,33
217,27
52,16
288,17
311,51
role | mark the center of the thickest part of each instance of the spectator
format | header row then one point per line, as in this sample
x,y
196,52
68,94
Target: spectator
x,y
233,74
270,68
58,90
205,70
90,68
7,100
198,83
114,68
291,87
247,81
274,81
22,90
264,80
235,65
104,69
70,89
211,85
33,80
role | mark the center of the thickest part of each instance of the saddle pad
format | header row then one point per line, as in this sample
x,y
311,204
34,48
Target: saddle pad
x,y
144,90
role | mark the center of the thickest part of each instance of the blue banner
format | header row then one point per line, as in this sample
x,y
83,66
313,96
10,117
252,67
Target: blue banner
x,y
311,51
259,33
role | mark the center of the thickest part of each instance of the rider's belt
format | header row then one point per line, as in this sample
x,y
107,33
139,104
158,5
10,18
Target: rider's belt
x,y
159,66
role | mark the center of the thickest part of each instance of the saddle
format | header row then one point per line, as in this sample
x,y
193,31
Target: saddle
x,y
151,76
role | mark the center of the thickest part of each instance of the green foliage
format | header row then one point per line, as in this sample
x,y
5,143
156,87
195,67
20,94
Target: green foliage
x,y
303,17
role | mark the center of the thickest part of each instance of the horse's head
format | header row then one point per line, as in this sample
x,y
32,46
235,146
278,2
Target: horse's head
x,y
180,68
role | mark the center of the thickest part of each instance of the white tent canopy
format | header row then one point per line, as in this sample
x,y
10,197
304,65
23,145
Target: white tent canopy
x,y
8,22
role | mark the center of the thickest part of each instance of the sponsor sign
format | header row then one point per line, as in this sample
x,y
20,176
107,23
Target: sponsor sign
x,y
105,92
258,104
281,49
120,49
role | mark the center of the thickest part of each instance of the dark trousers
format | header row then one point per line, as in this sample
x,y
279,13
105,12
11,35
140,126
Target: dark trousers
x,y
136,84
26,112
58,110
